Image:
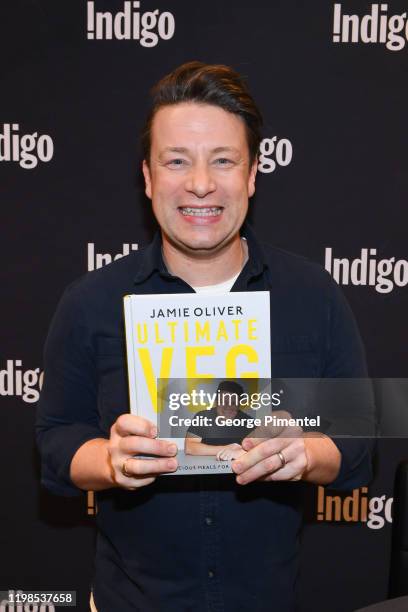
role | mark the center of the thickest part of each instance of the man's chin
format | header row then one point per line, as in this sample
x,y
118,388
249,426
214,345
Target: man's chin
x,y
198,246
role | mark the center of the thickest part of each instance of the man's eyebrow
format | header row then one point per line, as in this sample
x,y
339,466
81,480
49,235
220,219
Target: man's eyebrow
x,y
175,150
223,149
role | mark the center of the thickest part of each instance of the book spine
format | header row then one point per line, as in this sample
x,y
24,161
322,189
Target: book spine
x,y
130,348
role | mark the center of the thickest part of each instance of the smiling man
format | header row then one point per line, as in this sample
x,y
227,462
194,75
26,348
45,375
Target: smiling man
x,y
200,190
202,543
220,438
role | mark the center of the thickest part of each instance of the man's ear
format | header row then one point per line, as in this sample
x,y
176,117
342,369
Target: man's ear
x,y
251,178
147,178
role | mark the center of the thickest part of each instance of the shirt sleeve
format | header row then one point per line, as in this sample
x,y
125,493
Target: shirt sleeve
x,y
67,415
345,358
197,431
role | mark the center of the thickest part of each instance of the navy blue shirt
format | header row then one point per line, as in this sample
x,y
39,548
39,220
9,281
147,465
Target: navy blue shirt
x,y
185,543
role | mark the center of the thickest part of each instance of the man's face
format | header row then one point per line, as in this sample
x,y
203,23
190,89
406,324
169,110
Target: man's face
x,y
227,406
199,179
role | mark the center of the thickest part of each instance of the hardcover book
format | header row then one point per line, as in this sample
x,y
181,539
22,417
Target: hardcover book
x,y
195,363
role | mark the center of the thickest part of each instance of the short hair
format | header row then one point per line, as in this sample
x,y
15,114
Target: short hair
x,y
213,84
230,386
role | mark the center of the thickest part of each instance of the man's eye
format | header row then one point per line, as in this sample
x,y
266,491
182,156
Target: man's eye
x,y
223,161
176,162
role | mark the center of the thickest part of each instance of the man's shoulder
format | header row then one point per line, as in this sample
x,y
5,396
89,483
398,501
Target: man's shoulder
x,y
244,416
287,268
117,276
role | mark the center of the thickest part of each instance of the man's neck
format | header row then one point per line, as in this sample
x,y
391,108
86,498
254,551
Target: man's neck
x,y
200,270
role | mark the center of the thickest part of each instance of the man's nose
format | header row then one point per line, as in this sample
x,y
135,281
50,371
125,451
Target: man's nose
x,y
200,180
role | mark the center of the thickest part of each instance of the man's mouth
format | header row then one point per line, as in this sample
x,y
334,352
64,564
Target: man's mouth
x,y
212,211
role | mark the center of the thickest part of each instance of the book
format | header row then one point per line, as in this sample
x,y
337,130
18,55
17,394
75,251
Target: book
x,y
184,353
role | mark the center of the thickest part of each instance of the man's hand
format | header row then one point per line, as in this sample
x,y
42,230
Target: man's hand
x,y
132,435
232,451
287,453
274,458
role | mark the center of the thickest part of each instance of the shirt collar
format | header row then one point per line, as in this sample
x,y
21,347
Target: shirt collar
x,y
257,261
151,257
151,260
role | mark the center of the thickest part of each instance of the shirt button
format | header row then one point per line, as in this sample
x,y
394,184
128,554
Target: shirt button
x,y
210,574
208,520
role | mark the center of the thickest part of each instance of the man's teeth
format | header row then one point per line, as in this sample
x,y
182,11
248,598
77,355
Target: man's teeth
x,y
201,212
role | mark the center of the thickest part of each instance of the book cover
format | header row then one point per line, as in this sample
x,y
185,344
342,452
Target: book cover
x,y
193,363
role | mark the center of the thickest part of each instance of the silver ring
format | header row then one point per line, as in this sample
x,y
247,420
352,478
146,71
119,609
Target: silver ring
x,y
282,459
124,470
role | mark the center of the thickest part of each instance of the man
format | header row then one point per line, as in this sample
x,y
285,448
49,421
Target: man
x,y
194,543
224,441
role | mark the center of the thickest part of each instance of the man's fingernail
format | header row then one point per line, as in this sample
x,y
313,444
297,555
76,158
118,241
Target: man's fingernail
x,y
171,464
237,466
153,432
171,449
